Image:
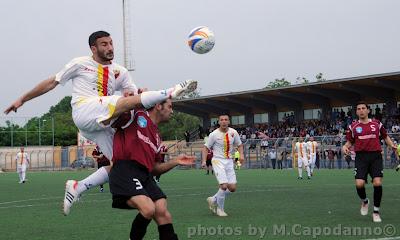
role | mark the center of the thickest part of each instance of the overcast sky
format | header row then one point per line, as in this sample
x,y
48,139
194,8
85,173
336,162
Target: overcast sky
x,y
256,42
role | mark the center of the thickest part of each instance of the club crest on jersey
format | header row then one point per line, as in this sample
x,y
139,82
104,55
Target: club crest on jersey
x,y
359,129
116,73
142,122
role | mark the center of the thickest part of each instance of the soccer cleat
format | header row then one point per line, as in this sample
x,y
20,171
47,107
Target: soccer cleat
x,y
183,88
309,177
300,178
376,217
398,167
221,212
101,189
211,204
364,208
71,196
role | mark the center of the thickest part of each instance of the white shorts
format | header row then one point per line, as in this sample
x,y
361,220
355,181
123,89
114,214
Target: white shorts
x,y
88,115
302,161
313,159
223,170
21,168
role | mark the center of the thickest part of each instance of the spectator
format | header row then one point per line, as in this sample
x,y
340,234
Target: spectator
x,y
272,157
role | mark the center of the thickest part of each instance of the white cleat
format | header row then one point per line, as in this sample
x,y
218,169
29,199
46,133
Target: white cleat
x,y
71,196
364,208
398,167
221,212
183,88
376,217
212,205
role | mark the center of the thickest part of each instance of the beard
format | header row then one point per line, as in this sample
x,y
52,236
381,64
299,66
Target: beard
x,y
106,56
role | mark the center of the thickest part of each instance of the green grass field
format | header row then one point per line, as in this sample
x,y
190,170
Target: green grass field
x,y
274,202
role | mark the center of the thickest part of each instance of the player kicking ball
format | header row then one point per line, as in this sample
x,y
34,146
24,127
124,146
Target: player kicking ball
x,y
95,106
365,134
222,141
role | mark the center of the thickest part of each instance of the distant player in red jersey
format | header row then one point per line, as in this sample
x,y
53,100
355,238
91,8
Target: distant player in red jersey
x,y
365,134
101,160
136,158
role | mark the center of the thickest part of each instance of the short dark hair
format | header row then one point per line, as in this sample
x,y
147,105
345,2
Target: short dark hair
x,y
96,35
224,114
362,103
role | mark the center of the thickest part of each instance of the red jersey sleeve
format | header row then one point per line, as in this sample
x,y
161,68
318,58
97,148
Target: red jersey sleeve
x,y
382,131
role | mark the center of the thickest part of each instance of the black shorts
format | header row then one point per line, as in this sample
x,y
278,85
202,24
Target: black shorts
x,y
103,164
128,179
208,163
368,163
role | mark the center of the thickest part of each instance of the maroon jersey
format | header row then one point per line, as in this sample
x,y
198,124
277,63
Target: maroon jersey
x,y
366,136
96,153
138,140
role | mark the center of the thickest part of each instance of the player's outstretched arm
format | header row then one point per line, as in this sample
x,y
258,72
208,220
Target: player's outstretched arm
x,y
184,160
40,89
390,143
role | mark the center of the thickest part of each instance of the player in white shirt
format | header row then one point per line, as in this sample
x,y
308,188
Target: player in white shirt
x,y
312,149
22,160
95,80
222,142
302,158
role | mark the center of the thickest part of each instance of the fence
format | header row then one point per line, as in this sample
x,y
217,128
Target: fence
x,y
45,157
255,151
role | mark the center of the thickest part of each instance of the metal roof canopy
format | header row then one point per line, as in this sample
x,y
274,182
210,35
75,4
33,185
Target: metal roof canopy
x,y
376,88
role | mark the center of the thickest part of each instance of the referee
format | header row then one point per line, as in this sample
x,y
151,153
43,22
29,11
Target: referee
x,y
365,134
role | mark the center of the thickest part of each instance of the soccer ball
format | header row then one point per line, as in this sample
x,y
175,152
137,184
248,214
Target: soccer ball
x,y
201,40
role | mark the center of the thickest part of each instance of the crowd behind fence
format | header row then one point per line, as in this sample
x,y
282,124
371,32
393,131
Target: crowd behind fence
x,y
256,153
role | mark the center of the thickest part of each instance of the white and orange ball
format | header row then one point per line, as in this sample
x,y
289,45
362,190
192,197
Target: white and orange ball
x,y
201,40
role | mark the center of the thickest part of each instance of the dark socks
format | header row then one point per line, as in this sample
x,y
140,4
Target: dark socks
x,y
167,232
139,227
377,197
361,193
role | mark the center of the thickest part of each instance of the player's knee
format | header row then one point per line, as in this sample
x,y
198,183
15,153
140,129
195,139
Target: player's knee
x,y
360,184
223,186
148,211
232,188
376,182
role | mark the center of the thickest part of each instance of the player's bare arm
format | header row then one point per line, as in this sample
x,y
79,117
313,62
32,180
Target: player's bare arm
x,y
204,152
40,89
240,149
184,160
390,143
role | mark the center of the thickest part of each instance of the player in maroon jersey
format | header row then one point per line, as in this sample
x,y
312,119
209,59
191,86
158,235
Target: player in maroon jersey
x,y
136,158
365,134
101,160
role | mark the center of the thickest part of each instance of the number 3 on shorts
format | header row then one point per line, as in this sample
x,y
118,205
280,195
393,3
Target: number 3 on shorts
x,y
138,184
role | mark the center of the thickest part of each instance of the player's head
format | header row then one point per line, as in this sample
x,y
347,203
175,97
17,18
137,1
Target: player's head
x,y
362,110
311,139
101,45
162,111
21,149
223,120
301,139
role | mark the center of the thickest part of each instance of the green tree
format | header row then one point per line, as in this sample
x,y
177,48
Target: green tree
x,y
177,125
278,83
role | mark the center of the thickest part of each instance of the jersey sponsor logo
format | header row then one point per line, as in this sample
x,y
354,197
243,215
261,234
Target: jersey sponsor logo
x,y
89,69
142,122
369,136
147,140
359,129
